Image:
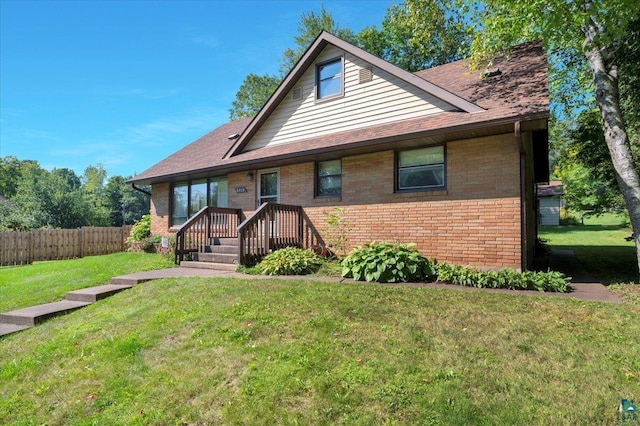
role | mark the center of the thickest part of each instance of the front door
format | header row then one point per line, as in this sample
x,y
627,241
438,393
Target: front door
x,y
268,186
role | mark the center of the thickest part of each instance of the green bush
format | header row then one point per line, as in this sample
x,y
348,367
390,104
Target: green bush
x,y
290,261
141,229
386,262
504,278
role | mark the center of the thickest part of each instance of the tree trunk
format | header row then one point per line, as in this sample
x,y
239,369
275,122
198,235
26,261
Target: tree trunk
x,y
606,87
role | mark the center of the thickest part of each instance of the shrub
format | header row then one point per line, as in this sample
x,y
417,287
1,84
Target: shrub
x,y
147,245
141,229
289,261
505,278
386,262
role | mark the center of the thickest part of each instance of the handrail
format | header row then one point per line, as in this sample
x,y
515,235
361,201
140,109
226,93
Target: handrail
x,y
207,223
274,226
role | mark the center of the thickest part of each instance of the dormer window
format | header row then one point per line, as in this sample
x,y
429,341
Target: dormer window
x,y
329,78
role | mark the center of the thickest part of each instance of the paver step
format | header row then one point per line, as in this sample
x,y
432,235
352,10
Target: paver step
x,y
93,294
11,328
37,314
209,265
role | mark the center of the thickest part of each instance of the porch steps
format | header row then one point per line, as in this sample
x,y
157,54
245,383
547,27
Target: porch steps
x,y
21,319
219,254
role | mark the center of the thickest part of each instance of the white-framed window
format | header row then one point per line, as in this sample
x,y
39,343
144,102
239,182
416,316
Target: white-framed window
x,y
421,169
329,178
329,78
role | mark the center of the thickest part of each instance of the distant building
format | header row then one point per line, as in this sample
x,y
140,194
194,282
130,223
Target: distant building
x,y
550,202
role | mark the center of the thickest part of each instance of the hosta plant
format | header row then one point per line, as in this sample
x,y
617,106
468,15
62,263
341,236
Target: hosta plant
x,y
289,261
386,262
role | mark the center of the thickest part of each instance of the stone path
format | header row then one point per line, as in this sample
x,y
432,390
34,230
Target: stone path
x,y
583,285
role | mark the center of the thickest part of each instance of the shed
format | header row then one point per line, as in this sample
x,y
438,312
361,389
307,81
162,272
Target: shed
x,y
550,202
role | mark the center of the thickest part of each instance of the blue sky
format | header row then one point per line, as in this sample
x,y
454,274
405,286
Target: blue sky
x,y
126,83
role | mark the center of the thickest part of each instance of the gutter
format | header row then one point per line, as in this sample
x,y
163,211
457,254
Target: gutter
x,y
137,188
523,195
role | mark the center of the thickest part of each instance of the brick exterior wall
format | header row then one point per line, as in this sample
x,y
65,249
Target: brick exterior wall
x,y
160,209
475,221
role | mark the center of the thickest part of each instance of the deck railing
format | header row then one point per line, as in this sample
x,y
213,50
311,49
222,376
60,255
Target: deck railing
x,y
272,227
208,223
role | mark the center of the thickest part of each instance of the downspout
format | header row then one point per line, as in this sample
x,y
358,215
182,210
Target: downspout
x,y
523,195
144,191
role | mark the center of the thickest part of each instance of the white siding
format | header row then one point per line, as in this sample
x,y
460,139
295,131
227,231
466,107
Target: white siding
x,y
384,99
549,210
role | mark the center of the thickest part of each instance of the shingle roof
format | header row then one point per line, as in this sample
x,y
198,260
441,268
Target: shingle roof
x,y
518,93
554,188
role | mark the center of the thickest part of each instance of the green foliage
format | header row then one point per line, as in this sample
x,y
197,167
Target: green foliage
x,y
141,229
419,34
386,262
253,93
309,26
504,278
290,261
61,199
337,230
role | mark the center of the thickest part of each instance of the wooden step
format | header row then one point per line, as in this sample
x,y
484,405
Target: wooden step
x,y
93,294
209,265
217,241
216,258
219,249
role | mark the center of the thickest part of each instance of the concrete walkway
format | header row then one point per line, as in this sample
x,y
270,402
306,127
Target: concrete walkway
x,y
583,286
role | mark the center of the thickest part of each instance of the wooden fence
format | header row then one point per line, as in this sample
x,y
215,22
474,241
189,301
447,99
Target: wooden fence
x,y
23,248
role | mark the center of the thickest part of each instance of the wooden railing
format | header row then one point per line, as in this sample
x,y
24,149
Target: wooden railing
x,y
208,223
272,227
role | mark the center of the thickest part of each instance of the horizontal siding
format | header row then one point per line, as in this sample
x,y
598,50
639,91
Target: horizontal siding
x,y
384,99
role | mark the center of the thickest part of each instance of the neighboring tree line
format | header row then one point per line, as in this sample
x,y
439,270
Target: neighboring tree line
x,y
33,197
594,56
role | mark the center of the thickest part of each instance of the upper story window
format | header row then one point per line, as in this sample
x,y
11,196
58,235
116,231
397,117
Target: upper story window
x,y
329,78
329,178
421,169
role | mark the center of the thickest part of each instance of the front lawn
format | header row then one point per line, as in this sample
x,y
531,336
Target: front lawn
x,y
272,351
44,282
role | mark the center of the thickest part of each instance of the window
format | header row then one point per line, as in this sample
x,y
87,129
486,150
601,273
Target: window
x,y
421,169
329,79
329,178
187,198
180,198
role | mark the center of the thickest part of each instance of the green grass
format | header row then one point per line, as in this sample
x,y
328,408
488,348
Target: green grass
x,y
599,245
228,351
45,282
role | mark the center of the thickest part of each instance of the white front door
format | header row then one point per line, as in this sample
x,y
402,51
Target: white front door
x,y
268,186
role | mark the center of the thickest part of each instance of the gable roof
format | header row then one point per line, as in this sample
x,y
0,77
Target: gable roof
x,y
518,93
325,38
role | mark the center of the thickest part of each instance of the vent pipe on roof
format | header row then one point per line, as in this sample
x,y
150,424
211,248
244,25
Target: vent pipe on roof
x,y
491,73
233,136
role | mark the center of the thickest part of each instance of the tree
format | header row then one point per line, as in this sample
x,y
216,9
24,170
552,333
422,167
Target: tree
x,y
252,95
93,180
309,26
598,30
419,34
255,90
122,198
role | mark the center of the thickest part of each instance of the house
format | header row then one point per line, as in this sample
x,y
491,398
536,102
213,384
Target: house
x,y
444,158
550,202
